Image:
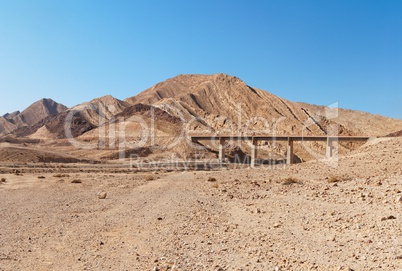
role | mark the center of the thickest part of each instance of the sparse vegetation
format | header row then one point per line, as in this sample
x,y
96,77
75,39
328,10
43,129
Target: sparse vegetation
x,y
41,177
76,181
215,185
149,178
289,181
59,175
3,180
211,179
334,179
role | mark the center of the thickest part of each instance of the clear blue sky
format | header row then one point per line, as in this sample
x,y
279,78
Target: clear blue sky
x,y
313,51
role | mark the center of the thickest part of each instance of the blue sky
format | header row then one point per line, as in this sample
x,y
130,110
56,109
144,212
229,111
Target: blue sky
x,y
313,51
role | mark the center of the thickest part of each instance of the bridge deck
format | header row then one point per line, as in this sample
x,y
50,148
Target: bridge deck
x,y
279,138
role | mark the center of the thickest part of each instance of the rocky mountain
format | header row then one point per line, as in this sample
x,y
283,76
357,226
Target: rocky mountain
x,y
215,104
223,103
81,118
32,115
6,126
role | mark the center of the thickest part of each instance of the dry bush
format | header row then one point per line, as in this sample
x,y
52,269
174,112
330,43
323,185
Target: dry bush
x,y
76,181
333,179
289,181
59,175
149,178
211,179
3,180
41,177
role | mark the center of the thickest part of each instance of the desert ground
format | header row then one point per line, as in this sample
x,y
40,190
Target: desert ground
x,y
307,216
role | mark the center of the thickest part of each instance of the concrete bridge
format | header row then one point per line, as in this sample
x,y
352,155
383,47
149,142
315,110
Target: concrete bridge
x,y
289,139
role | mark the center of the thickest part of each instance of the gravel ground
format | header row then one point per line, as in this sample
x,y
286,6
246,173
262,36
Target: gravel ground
x,y
308,216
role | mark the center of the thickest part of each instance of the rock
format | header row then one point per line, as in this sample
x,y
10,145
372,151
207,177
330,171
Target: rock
x,y
102,195
388,218
399,199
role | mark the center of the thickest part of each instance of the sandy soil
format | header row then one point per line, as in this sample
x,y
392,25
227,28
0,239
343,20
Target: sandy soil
x,y
307,216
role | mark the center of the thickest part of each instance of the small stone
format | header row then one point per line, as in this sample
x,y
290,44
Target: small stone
x,y
102,195
358,226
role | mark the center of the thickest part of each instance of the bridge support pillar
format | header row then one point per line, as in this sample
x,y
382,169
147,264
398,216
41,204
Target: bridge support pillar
x,y
254,147
289,152
329,148
221,150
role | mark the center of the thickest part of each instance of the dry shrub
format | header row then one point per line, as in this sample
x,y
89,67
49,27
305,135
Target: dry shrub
x,y
76,181
3,180
59,175
289,181
149,178
41,177
211,179
334,179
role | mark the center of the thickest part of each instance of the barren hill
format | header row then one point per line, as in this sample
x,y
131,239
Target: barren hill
x,y
40,110
216,103
101,109
32,115
225,103
82,118
6,126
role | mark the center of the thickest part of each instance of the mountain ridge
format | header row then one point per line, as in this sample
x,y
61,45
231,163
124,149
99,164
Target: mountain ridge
x,y
217,103
31,115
